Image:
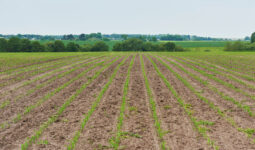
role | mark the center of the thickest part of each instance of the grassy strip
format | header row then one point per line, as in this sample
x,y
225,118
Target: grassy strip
x,y
199,125
215,71
115,141
245,108
53,118
93,107
210,76
49,95
61,75
225,70
157,122
230,120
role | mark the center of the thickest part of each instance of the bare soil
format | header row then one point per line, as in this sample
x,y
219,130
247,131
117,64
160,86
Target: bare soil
x,y
139,131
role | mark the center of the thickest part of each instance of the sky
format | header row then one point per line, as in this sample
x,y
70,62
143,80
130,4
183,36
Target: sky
x,y
214,18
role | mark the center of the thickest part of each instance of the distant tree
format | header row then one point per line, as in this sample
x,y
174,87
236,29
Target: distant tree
x,y
106,39
132,44
247,38
168,46
3,45
14,44
37,47
124,36
59,46
100,46
153,39
95,35
141,37
83,37
86,48
68,37
253,37
49,47
117,47
72,47
25,45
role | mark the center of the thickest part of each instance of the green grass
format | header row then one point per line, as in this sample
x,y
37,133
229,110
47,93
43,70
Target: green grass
x,y
200,43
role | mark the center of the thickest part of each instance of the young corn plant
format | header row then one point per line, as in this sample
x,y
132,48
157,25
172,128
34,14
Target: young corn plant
x,y
115,141
202,130
152,102
93,107
53,118
229,119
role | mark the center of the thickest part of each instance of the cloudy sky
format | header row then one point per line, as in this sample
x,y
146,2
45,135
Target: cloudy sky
x,y
215,18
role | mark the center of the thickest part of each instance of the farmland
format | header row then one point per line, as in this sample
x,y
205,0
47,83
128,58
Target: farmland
x,y
127,100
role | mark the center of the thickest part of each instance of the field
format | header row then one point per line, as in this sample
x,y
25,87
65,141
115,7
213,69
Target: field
x,y
177,101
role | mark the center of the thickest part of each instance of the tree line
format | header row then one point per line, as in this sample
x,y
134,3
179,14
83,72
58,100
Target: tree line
x,y
107,37
15,44
134,44
241,46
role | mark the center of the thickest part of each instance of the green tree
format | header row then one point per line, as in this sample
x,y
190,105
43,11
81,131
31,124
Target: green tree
x,y
168,46
253,37
59,46
124,36
100,46
117,47
37,47
3,45
49,47
83,37
72,47
14,44
25,45
86,48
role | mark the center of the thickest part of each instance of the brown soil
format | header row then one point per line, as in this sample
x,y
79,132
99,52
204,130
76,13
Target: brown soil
x,y
181,133
224,134
18,106
138,123
26,127
15,78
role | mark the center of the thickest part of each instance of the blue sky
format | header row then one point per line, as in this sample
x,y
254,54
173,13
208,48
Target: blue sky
x,y
216,18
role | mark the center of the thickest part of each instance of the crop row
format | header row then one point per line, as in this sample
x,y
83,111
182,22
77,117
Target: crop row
x,y
24,59
229,76
50,94
210,76
54,117
245,108
247,77
39,86
221,113
115,141
199,125
152,102
25,73
93,107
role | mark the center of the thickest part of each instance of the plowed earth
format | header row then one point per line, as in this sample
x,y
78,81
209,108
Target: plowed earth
x,y
84,98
